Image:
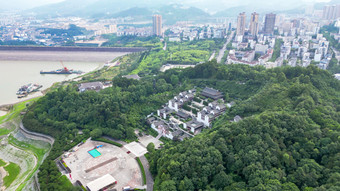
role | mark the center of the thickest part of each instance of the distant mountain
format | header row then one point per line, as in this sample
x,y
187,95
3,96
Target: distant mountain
x,y
134,12
322,4
172,10
234,11
173,13
88,8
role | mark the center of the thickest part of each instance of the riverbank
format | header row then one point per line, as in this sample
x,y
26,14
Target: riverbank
x,y
25,149
72,48
56,56
2,113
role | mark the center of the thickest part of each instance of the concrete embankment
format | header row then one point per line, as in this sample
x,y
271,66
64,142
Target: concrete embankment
x,y
36,136
73,49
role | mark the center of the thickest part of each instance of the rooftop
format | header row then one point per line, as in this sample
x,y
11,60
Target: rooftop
x,y
194,124
211,91
133,76
101,182
91,86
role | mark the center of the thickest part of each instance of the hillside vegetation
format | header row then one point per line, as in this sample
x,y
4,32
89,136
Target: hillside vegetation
x,y
288,139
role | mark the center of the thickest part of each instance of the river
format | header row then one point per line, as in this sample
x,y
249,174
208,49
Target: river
x,y
18,68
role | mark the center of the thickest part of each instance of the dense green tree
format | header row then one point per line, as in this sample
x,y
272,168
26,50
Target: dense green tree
x,y
96,133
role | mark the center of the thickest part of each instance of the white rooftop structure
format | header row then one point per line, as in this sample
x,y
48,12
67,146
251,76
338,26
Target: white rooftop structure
x,y
101,182
136,149
337,76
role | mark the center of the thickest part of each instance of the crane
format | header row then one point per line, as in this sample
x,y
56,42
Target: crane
x,y
66,69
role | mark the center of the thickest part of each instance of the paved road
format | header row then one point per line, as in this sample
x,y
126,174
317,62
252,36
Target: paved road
x,y
212,56
222,51
149,179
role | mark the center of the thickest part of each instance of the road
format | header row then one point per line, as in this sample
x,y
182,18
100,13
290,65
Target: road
x,y
337,54
164,47
222,51
212,56
149,179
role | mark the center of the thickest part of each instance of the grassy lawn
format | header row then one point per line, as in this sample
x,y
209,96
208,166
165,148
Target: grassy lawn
x,y
142,169
13,171
2,163
67,185
15,112
38,152
4,131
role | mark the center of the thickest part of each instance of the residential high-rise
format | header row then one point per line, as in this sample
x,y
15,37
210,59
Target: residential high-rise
x,y
157,25
331,12
254,24
241,24
269,24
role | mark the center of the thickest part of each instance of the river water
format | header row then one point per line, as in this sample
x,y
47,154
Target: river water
x,y
18,68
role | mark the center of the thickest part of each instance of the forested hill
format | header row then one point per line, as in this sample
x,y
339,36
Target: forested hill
x,y
289,138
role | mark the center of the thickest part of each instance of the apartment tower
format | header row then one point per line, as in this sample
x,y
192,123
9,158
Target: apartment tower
x,y
254,24
157,25
241,24
269,24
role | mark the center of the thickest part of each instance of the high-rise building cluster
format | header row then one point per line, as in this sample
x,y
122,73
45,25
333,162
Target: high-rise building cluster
x,y
331,12
157,25
254,24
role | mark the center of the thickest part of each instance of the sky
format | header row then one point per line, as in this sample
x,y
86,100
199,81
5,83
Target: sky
x,y
25,4
28,4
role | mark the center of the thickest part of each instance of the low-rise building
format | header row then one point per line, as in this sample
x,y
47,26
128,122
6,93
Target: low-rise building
x,y
101,183
210,112
211,93
179,100
165,112
194,126
97,86
132,76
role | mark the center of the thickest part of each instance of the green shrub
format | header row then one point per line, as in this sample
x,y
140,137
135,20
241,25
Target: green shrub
x,y
108,141
142,169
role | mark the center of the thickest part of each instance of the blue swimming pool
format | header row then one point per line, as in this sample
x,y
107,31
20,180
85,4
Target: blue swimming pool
x,y
94,153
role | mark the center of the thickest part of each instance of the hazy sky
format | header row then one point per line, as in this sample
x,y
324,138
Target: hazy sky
x,y
27,4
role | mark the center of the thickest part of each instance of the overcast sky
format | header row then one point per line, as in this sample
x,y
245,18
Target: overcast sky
x,y
27,4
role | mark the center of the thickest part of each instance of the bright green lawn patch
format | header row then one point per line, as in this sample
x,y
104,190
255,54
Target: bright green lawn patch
x,y
15,112
142,169
67,185
4,131
2,163
39,152
13,171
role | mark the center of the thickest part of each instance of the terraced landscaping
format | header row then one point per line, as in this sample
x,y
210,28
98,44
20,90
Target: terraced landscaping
x,y
21,154
13,171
